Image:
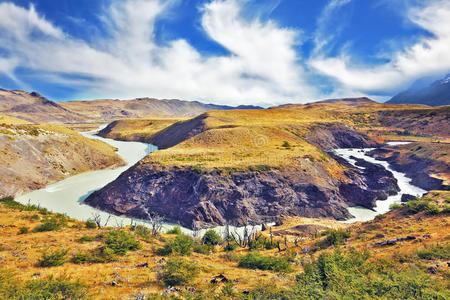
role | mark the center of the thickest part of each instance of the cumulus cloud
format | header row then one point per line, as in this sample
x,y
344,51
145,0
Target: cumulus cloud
x,y
263,66
429,56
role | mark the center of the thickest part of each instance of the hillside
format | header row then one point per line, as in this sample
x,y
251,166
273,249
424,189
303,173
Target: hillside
x,y
107,109
35,108
403,254
32,156
254,165
436,94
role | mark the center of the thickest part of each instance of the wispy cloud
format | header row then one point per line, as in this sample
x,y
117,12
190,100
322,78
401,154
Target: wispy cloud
x,y
263,66
426,57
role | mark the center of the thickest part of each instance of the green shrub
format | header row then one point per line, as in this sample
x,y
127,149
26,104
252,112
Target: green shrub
x,y
121,242
40,289
204,249
211,237
90,224
423,204
103,255
435,252
254,260
334,238
286,145
53,258
174,230
181,245
231,247
395,206
351,276
142,231
86,238
52,223
23,230
178,272
81,258
9,202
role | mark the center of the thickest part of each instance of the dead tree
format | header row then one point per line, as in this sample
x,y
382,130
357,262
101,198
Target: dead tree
x,y
156,221
97,219
244,240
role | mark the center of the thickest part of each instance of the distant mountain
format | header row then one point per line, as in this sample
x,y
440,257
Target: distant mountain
x,y
353,102
435,94
35,108
108,109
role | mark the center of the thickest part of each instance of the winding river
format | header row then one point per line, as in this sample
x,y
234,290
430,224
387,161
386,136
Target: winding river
x,y
67,196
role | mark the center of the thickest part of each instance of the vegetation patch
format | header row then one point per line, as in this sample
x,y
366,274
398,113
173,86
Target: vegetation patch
x,y
178,272
53,258
255,260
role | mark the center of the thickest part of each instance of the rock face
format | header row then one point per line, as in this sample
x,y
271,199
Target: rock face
x,y
335,135
199,200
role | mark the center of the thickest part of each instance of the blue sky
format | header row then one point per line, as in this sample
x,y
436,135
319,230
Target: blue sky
x,y
233,52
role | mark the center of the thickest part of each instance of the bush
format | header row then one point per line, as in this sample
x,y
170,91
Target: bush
x,y
204,249
286,144
351,276
416,206
174,230
86,238
121,242
211,237
81,258
334,238
23,230
435,252
181,245
90,224
52,223
53,258
395,206
255,260
9,202
178,272
231,247
142,231
46,288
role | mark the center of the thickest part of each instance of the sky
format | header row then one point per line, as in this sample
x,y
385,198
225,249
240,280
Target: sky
x,y
261,52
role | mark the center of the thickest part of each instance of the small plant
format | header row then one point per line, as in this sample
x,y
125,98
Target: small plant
x,y
286,145
142,231
90,224
204,249
181,245
53,258
9,202
231,247
255,260
81,258
211,237
178,272
86,238
23,230
437,251
334,238
121,242
174,230
419,205
52,223
393,207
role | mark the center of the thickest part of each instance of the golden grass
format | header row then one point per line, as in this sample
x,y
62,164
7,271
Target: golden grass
x,y
20,253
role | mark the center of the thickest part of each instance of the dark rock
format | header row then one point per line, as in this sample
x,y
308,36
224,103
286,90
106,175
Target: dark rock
x,y
143,265
427,236
407,197
264,227
432,270
219,279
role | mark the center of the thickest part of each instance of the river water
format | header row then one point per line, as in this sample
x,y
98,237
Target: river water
x,y
404,183
67,196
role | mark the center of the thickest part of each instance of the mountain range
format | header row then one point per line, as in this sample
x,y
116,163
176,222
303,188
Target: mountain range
x,y
435,94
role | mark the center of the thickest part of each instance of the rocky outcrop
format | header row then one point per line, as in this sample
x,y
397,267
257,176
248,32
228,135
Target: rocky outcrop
x,y
337,135
419,169
197,200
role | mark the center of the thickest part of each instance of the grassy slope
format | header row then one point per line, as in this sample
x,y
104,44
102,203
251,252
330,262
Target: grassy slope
x,y
20,253
33,155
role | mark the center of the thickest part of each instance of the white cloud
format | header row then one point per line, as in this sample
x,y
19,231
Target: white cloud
x,y
429,56
263,66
